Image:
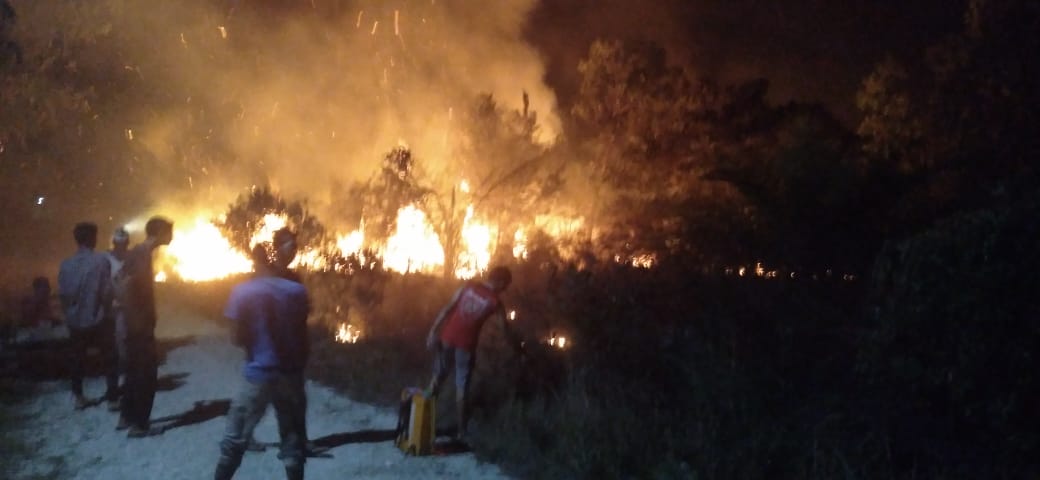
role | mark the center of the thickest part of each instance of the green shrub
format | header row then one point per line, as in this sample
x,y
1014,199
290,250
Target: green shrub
x,y
952,356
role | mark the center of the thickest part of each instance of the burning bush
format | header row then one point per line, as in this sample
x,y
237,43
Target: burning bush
x,y
254,216
345,299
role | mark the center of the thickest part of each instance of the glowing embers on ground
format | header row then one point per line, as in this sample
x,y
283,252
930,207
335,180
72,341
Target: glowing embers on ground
x,y
558,341
347,333
643,260
759,270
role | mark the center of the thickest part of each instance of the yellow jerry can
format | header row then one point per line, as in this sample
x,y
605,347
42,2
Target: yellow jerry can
x,y
416,428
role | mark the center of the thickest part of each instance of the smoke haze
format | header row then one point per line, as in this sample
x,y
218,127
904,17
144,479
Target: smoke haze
x,y
178,107
211,97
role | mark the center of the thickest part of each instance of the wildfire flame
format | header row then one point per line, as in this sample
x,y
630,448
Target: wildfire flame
x,y
520,244
558,341
202,253
646,260
352,243
476,247
268,225
414,247
347,333
558,225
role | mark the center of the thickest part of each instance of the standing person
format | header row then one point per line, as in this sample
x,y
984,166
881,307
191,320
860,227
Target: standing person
x,y
268,314
136,282
263,267
454,334
36,307
84,287
116,256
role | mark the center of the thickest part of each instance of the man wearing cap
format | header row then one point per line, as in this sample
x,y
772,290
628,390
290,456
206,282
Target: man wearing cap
x,y
116,256
84,287
268,314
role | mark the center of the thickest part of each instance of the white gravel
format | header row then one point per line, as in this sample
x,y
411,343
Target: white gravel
x,y
71,444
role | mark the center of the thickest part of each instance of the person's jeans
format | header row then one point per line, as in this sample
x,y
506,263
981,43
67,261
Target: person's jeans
x,y
102,337
285,392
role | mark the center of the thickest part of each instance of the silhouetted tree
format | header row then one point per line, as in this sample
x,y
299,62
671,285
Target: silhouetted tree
x,y
245,216
957,127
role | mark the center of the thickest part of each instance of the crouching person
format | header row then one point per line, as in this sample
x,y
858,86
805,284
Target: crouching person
x,y
454,334
268,314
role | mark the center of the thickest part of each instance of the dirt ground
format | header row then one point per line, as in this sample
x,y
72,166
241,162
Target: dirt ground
x,y
200,374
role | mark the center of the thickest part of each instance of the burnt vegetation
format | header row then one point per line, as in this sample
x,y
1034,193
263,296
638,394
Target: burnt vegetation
x,y
825,301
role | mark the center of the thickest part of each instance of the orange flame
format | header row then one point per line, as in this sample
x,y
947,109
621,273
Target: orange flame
x,y
414,247
347,333
476,247
520,244
202,253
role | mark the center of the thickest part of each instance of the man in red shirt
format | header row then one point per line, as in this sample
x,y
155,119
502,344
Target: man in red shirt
x,y
456,330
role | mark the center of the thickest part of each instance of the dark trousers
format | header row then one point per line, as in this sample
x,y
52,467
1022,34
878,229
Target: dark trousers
x,y
139,385
102,337
120,338
285,392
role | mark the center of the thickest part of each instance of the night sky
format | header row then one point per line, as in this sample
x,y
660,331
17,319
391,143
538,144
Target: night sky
x,y
810,50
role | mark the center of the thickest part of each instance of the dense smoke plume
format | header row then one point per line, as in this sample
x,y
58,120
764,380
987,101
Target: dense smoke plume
x,y
191,103
119,109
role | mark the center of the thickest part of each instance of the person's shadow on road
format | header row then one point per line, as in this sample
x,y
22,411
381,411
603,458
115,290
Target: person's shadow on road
x,y
361,436
441,446
202,411
170,381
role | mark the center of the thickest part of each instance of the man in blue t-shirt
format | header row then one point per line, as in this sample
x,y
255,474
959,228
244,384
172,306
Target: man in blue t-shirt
x,y
268,314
